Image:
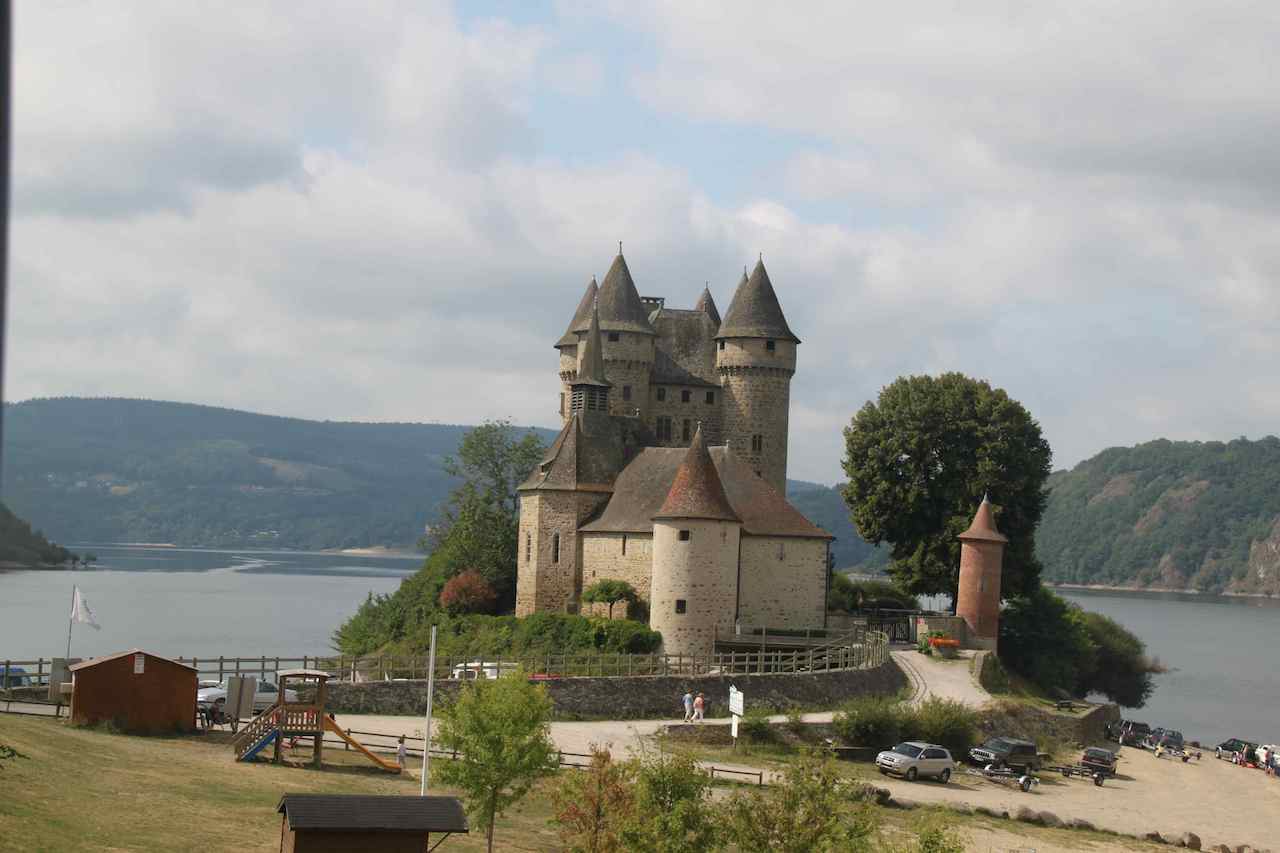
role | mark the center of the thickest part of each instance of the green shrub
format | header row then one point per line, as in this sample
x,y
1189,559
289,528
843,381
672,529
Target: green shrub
x,y
872,721
755,726
795,720
942,721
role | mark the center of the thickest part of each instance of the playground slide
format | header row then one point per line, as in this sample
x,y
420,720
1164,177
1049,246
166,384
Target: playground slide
x,y
258,747
330,725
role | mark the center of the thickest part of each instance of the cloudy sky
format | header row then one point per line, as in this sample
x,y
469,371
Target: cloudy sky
x,y
388,211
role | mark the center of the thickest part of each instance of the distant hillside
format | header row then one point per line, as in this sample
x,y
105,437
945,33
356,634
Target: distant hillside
x,y
19,544
824,506
113,470
1168,515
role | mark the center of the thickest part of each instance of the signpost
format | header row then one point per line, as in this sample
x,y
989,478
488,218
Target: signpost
x,y
736,709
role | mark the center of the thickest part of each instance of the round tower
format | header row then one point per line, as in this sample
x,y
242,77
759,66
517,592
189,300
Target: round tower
x,y
568,347
756,358
978,595
628,340
694,589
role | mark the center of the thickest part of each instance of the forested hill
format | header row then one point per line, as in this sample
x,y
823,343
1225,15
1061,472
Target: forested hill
x,y
1168,515
22,546
114,470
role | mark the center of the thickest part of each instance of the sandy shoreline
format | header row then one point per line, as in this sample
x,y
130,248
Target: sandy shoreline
x,y
1101,587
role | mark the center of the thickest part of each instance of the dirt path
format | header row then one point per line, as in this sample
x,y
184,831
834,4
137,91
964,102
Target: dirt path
x,y
931,675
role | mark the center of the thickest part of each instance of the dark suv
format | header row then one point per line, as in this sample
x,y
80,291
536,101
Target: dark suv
x,y
1167,738
1233,746
1006,752
1132,733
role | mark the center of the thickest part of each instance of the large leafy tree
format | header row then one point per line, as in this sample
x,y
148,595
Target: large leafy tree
x,y
501,730
919,460
609,592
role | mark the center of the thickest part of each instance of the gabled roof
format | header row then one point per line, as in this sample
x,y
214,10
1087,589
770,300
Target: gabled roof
x,y
696,491
620,307
983,527
707,305
591,365
589,452
581,316
105,658
754,311
373,813
641,489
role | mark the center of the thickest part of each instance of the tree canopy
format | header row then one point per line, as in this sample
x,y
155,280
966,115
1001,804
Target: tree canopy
x,y
919,460
609,591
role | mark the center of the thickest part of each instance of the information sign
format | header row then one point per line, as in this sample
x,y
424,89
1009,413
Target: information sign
x,y
735,701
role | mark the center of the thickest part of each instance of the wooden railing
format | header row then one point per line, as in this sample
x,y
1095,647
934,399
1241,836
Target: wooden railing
x,y
853,650
245,739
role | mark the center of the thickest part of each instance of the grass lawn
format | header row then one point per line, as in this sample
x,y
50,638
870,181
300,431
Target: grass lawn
x,y
82,789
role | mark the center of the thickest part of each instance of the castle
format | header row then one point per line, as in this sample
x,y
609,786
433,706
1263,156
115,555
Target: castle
x,y
670,469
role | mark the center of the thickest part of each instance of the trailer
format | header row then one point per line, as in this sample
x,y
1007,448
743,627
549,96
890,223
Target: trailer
x,y
1006,776
1082,770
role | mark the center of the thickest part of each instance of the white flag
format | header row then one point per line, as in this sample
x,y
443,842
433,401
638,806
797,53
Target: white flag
x,y
80,611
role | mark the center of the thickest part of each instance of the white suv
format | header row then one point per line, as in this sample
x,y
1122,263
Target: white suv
x,y
266,695
913,759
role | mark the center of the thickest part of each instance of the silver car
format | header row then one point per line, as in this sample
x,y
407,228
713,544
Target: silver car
x,y
914,759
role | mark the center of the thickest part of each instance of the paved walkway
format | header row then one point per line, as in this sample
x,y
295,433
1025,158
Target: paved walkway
x,y
931,675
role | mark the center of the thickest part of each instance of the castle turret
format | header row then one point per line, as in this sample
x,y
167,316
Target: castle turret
x,y
694,589
589,390
756,358
707,306
628,340
981,561
568,346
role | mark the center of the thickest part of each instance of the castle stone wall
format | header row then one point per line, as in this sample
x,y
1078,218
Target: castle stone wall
x,y
757,402
701,572
783,582
628,362
697,409
602,558
544,583
568,372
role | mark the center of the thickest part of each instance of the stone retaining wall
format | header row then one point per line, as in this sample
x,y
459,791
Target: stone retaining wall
x,y
640,697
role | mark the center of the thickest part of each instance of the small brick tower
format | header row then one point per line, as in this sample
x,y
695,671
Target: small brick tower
x,y
981,560
694,590
756,358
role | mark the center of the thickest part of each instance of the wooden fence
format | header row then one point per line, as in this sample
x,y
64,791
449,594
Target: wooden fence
x,y
870,650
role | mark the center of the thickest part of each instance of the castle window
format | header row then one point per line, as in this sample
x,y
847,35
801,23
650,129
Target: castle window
x,y
711,398
757,443
686,431
624,544
528,546
626,392
662,394
555,548
562,404
782,551
684,536
613,338
663,428
681,606
721,343
686,395
770,345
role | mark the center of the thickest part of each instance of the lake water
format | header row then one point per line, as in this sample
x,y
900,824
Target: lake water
x,y
1224,678
186,603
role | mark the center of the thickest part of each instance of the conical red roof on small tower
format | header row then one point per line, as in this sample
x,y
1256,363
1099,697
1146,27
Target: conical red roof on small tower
x,y
697,491
983,527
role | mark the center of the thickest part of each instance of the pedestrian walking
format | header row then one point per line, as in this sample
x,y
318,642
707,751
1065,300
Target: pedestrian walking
x,y
688,706
699,706
402,753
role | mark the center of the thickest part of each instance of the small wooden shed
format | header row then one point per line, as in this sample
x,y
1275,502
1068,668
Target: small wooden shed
x,y
136,691
336,823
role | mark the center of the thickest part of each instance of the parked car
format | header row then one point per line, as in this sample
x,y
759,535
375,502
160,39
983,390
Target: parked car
x,y
914,759
1132,733
263,698
1007,752
1099,760
1167,738
482,669
13,676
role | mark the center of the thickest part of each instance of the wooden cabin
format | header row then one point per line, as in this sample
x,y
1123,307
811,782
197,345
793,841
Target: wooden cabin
x,y
135,691
336,823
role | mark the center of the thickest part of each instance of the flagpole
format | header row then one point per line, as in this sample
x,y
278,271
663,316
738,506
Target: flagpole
x,y
426,741
71,619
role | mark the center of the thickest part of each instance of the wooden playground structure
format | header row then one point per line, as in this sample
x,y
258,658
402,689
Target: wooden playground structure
x,y
290,720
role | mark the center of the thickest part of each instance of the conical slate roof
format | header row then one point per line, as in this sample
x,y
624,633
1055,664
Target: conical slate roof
x,y
580,317
707,306
983,527
754,311
620,307
697,491
591,365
